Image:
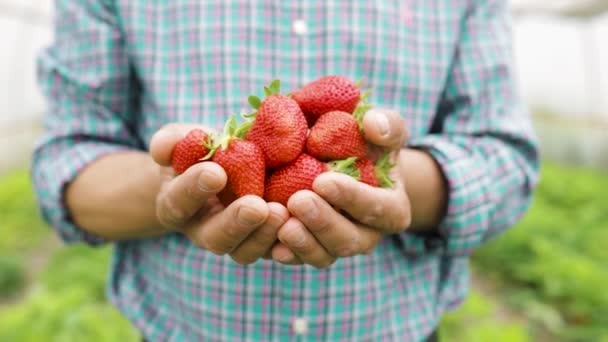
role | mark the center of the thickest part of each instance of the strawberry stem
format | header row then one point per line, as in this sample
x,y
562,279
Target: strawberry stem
x,y
210,144
383,168
346,166
243,129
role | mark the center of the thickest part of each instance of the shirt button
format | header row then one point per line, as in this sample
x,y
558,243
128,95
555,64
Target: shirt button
x,y
300,326
300,27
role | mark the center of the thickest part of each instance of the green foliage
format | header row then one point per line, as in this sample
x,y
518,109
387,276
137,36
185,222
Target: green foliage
x,y
556,258
476,321
21,226
68,303
12,276
68,315
78,264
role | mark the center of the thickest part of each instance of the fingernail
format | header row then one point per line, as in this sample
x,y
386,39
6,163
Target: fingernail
x,y
307,208
382,123
249,216
207,181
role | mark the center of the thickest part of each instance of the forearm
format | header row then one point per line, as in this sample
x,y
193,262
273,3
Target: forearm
x,y
114,197
426,188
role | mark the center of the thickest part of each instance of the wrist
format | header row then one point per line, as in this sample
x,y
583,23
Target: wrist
x,y
425,186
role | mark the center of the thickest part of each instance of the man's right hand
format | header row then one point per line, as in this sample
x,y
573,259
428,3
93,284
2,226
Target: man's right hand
x,y
246,229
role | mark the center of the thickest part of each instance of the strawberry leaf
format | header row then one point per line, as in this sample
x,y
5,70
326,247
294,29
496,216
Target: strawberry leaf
x,y
383,168
275,87
347,167
255,102
250,115
360,112
267,91
365,96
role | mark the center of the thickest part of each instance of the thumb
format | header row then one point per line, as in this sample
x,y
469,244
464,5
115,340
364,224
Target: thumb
x,y
385,128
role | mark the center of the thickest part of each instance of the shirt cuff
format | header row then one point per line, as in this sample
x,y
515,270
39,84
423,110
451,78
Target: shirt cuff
x,y
54,166
469,206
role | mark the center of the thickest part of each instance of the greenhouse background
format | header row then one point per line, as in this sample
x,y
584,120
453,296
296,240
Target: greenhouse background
x,y
542,281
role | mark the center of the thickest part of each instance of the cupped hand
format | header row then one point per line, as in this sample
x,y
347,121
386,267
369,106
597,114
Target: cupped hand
x,y
188,203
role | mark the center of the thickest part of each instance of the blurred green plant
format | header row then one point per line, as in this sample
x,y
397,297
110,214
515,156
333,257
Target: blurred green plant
x,y
476,321
21,226
556,258
12,276
68,303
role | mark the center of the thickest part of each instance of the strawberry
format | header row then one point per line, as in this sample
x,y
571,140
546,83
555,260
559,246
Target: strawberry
x,y
337,135
376,175
367,172
243,162
190,150
327,94
279,129
300,174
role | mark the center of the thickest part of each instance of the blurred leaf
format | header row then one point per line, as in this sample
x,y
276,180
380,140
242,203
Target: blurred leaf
x,y
22,227
12,276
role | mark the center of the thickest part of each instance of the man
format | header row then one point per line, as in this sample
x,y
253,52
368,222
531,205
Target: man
x,y
126,79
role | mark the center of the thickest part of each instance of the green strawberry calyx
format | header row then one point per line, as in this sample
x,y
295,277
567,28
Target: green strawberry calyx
x,y
232,130
383,167
346,166
255,102
359,113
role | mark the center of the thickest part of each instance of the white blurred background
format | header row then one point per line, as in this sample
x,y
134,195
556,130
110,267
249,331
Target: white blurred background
x,y
561,49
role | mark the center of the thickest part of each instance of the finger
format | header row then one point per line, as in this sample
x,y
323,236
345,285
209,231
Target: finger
x,y
281,253
183,196
335,232
304,245
163,141
385,128
261,240
224,231
384,209
370,238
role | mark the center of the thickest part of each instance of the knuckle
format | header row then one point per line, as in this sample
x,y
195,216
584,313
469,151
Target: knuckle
x,y
264,236
375,212
348,249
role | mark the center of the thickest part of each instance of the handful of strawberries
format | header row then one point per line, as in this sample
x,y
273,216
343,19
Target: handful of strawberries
x,y
288,141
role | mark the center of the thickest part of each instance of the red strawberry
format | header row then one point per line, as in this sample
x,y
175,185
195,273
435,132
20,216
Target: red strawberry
x,y
364,170
243,162
327,94
279,129
299,175
190,150
336,135
367,171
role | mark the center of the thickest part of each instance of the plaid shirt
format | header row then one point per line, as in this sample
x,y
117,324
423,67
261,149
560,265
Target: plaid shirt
x,y
119,70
